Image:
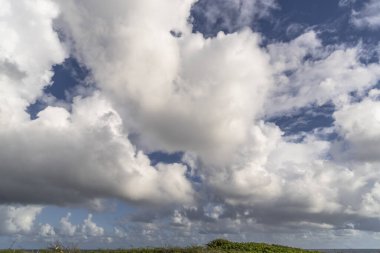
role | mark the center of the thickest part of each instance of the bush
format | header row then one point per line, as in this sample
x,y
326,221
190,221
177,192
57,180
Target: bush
x,y
219,244
228,246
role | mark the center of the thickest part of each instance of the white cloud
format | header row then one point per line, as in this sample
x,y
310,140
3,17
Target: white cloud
x,y
47,230
67,228
25,64
290,56
269,172
82,156
17,219
245,179
206,97
307,74
174,90
67,157
368,16
86,230
359,124
90,228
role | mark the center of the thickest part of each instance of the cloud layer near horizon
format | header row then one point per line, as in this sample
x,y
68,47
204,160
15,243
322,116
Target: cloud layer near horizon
x,y
162,87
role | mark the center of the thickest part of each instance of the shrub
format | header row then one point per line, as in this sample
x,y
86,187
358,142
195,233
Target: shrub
x,y
219,244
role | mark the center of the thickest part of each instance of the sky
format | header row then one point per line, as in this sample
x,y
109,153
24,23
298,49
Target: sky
x,y
132,123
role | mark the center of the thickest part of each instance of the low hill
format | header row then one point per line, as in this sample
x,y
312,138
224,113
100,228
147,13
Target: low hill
x,y
228,246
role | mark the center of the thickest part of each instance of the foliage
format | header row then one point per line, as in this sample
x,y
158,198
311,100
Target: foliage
x,y
11,251
228,246
215,246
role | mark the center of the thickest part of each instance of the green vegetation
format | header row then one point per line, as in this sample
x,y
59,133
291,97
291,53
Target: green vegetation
x,y
227,246
215,246
11,251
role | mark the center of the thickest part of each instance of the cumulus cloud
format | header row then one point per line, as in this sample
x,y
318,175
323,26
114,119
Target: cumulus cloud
x,y
67,157
17,219
173,90
359,124
24,63
47,230
67,228
269,170
82,156
161,87
90,228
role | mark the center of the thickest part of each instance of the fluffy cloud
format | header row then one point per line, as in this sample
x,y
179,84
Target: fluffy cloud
x,y
82,156
269,170
87,229
359,124
310,184
25,64
67,228
47,230
17,219
161,87
172,92
67,157
90,228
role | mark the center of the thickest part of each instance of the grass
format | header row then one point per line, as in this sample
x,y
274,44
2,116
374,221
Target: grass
x,y
215,246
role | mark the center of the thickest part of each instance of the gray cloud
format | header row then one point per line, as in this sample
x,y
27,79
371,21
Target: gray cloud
x,y
11,70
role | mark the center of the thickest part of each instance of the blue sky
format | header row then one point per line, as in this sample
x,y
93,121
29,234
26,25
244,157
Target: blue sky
x,y
132,123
